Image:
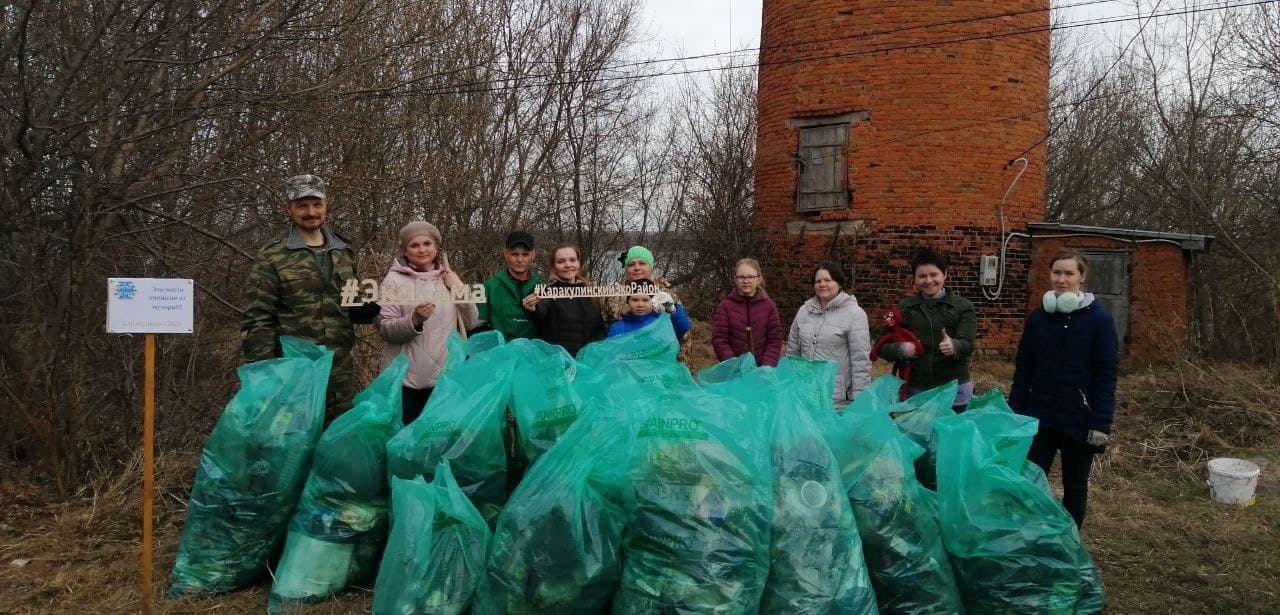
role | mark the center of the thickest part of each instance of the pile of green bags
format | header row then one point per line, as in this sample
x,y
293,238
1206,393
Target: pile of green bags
x,y
252,471
646,492
557,547
1015,548
339,526
464,422
815,554
817,564
436,552
896,516
698,535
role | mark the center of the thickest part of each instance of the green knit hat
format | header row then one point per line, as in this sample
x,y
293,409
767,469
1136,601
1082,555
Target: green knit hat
x,y
635,252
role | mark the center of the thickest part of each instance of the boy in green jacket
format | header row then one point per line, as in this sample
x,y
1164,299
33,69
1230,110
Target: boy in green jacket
x,y
510,288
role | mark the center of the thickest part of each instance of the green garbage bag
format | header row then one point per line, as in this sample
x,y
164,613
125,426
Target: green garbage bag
x,y
543,399
994,401
592,382
991,400
816,559
485,340
727,370
881,394
435,555
664,375
252,470
455,352
344,502
656,341
699,531
1014,547
813,381
896,517
464,423
916,417
557,547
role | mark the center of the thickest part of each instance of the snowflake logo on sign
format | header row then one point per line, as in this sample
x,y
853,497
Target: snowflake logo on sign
x,y
125,290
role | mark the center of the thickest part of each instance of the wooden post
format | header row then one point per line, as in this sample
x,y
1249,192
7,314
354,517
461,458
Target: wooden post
x,y
462,325
148,461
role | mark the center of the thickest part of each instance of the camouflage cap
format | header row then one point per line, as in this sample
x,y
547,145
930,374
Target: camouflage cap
x,y
303,186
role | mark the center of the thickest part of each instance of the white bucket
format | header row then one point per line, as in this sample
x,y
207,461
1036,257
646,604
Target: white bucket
x,y
1232,481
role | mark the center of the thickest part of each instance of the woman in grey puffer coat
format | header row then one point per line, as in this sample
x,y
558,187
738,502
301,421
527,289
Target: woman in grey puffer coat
x,y
831,325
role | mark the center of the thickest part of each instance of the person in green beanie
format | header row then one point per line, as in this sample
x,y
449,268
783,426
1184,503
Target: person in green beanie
x,y
638,263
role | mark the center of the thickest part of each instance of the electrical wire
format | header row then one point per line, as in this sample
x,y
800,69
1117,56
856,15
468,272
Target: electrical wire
x,y
1120,56
1004,239
1004,243
511,83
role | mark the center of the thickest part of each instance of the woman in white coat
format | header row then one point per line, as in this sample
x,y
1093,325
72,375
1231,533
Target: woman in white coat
x,y
422,330
831,325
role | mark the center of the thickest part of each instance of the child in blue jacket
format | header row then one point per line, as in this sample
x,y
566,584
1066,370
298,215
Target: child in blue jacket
x,y
645,306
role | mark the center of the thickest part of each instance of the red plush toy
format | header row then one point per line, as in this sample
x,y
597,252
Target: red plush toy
x,y
897,333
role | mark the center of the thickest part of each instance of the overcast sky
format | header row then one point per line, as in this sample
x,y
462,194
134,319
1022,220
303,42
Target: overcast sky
x,y
681,28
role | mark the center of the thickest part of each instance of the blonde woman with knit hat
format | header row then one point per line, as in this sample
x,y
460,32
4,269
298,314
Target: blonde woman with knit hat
x,y
421,330
637,263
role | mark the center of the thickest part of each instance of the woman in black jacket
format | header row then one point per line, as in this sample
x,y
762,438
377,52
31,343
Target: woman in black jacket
x,y
567,322
1065,376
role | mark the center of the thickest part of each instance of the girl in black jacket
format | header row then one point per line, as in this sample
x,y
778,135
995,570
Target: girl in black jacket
x,y
1066,377
570,323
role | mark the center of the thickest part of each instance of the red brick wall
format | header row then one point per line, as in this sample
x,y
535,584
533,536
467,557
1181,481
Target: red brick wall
x,y
878,265
929,165
1159,293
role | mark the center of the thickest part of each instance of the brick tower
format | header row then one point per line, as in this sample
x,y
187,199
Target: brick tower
x,y
888,125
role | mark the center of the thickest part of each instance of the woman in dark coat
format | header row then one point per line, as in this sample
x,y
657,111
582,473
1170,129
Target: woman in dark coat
x,y
1065,376
573,322
747,319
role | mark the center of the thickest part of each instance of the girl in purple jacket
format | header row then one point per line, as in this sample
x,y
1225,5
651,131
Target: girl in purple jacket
x,y
747,319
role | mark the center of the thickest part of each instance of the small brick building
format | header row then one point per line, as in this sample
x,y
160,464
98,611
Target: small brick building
x,y
885,126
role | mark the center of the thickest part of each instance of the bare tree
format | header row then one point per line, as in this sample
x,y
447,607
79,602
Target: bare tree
x,y
713,175
1183,138
149,139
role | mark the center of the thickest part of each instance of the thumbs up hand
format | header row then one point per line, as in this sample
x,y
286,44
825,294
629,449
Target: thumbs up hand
x,y
947,346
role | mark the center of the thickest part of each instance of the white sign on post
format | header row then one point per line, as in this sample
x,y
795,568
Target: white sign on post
x,y
150,305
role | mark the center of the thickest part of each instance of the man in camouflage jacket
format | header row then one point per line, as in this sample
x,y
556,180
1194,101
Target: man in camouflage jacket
x,y
295,289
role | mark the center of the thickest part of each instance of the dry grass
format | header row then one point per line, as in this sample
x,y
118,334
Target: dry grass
x,y
1161,545
82,556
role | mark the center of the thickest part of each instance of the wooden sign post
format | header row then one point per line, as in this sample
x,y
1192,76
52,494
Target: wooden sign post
x,y
149,306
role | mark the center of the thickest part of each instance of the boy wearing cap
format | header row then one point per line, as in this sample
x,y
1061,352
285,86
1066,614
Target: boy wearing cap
x,y
511,288
295,288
